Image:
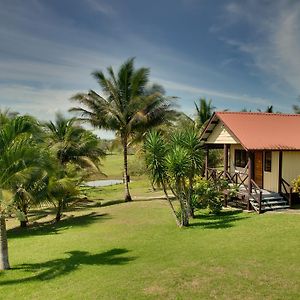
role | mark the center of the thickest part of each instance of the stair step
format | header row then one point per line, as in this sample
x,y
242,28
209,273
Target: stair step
x,y
272,198
276,207
268,207
271,202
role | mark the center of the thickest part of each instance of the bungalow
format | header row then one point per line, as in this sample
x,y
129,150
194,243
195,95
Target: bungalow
x,y
261,155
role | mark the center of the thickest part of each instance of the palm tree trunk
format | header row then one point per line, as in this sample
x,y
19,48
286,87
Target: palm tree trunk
x,y
125,179
4,263
23,223
191,208
183,205
171,204
59,211
187,201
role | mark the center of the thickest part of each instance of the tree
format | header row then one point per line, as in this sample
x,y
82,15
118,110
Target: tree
x,y
189,140
203,112
155,155
19,157
177,162
296,108
78,152
126,107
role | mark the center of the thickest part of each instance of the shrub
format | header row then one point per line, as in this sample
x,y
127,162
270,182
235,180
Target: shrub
x,y
296,185
209,194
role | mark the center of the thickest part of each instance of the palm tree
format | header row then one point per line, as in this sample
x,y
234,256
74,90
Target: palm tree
x,y
76,151
19,157
72,143
203,112
296,108
126,107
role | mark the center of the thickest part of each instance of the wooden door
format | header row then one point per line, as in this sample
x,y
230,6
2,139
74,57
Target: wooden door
x,y
258,168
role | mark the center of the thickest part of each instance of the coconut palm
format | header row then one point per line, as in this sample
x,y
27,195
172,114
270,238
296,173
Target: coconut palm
x,y
203,112
126,107
72,143
63,188
19,157
78,152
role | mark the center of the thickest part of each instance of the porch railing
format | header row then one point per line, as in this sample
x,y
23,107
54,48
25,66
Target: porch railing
x,y
288,191
256,193
239,179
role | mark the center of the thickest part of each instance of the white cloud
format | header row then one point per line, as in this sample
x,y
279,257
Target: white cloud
x,y
275,47
197,91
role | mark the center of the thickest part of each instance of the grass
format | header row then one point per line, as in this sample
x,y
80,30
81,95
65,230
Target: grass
x,y
135,251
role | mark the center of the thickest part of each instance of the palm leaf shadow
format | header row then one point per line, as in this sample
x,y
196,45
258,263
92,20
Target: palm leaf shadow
x,y
62,266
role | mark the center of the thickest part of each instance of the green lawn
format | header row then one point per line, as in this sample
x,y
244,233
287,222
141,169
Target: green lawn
x,y
135,251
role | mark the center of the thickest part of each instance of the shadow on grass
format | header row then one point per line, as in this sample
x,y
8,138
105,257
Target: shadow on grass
x,y
225,219
55,228
112,202
58,267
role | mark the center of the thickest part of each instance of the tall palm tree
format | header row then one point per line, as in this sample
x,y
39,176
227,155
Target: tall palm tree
x,y
19,158
126,106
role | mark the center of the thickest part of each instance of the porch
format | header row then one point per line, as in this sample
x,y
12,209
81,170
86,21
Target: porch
x,y
251,194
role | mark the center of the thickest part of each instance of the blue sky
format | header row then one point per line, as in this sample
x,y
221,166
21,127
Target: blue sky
x,y
241,54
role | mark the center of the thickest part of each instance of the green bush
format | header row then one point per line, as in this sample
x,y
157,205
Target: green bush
x,y
209,194
296,185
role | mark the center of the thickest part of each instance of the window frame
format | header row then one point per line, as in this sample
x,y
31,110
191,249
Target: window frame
x,y
240,158
268,161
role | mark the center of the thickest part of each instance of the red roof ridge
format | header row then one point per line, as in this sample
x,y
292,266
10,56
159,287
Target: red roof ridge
x,y
257,113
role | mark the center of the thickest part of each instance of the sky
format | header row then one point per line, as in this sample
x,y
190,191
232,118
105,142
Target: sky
x,y
240,54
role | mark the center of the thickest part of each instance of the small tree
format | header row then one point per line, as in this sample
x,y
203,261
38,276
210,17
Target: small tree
x,y
177,162
155,153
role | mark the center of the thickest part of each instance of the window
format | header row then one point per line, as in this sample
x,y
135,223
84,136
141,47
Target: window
x,y
240,158
268,161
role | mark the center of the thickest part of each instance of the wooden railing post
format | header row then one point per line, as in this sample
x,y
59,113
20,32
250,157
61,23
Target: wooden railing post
x,y
225,158
206,162
249,179
290,197
259,202
280,172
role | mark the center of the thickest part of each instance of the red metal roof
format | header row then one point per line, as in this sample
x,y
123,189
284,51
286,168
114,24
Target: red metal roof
x,y
263,130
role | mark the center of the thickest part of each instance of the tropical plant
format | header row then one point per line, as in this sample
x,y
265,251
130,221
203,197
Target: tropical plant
x,y
126,107
296,185
210,194
78,153
189,140
204,111
155,156
19,158
63,188
72,143
178,164
296,108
